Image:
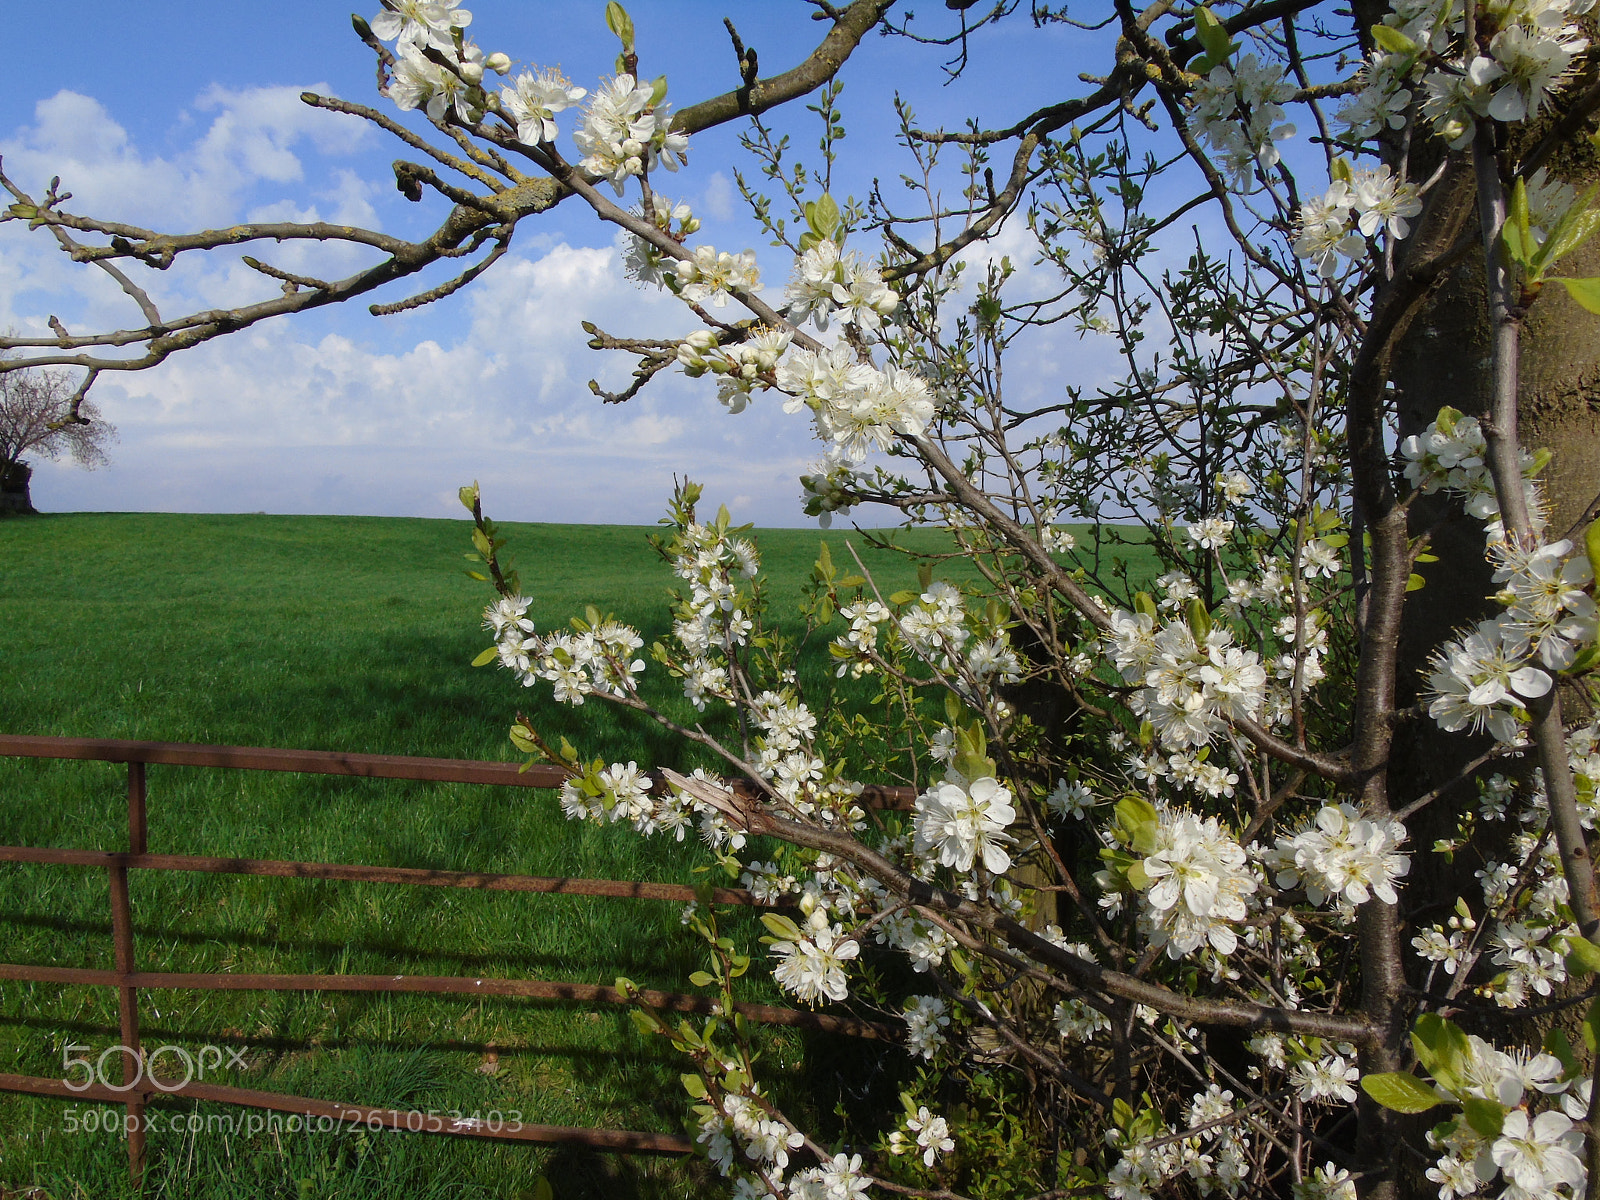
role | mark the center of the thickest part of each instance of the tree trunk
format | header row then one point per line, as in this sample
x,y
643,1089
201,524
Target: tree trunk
x,y
14,496
1443,360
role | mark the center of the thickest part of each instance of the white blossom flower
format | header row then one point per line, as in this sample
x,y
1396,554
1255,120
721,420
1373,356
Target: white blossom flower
x,y
814,966
957,826
533,100
1325,1080
1345,856
421,23
1540,1154
1199,881
927,1017
928,1133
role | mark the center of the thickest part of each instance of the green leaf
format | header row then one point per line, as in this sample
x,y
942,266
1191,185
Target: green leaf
x,y
1583,956
1138,819
1441,1048
1400,1091
972,752
1585,291
822,215
1591,546
1577,225
469,495
658,90
1516,244
694,1085
954,710
1142,603
781,927
1212,35
1199,619
487,657
902,597
1485,1116
1414,582
1341,170
1587,658
1558,1046
1395,42
823,572
702,978
522,741
618,21
1591,1023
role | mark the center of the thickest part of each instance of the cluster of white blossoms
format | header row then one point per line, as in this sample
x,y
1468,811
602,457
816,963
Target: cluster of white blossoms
x,y
626,129
533,100
1483,679
740,367
1342,857
924,1134
1451,455
1525,917
812,965
1532,45
1187,688
957,824
644,261
1533,1154
923,942
711,276
713,620
927,1018
597,657
746,1123
827,280
626,132
1339,222
1239,111
1215,1152
1199,884
856,407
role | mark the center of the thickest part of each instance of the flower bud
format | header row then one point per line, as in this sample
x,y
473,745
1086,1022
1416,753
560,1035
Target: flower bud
x,y
472,72
499,62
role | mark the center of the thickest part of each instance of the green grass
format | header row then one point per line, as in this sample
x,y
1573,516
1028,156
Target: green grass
x,y
342,634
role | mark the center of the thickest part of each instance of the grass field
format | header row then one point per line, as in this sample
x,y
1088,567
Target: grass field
x,y
343,634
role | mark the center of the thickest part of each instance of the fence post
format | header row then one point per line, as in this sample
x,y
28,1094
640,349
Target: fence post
x,y
127,997
136,818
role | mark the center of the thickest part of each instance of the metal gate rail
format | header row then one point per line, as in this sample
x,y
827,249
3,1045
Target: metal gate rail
x,y
128,981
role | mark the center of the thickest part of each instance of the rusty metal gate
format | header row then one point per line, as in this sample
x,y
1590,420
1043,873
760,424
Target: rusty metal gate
x,y
129,980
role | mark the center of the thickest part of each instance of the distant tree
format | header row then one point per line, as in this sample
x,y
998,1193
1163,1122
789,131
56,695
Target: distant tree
x,y
37,418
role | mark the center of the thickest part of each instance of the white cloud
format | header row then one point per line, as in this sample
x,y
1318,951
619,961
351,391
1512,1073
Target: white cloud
x,y
270,419
251,138
719,197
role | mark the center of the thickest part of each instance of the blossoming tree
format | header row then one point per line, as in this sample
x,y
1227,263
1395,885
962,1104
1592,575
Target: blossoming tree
x,y
1262,872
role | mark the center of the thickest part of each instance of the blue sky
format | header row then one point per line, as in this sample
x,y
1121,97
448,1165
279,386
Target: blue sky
x,y
186,116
